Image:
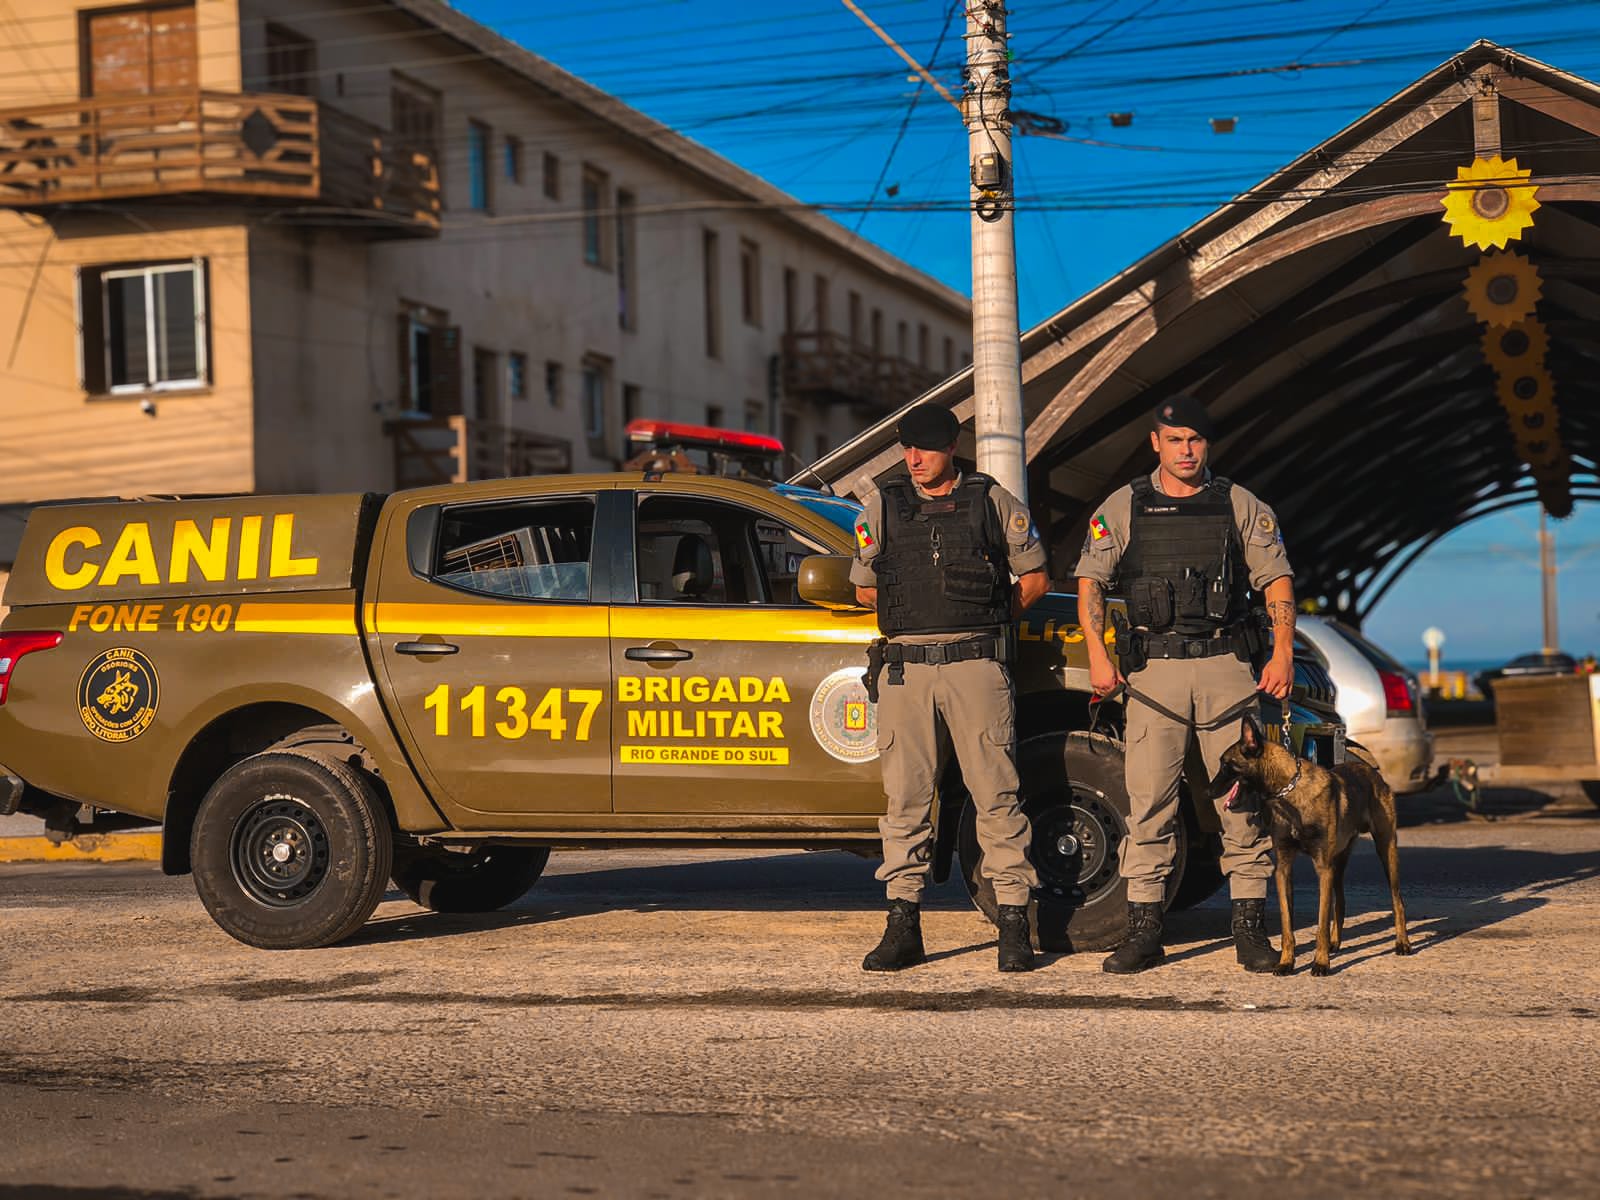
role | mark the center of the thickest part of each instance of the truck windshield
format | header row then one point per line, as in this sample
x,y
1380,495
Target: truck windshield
x,y
838,509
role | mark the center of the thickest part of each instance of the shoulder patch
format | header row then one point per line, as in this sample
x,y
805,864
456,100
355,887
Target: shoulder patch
x,y
1266,523
1098,529
1019,523
864,538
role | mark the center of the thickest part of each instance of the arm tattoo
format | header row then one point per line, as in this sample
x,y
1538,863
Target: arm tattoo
x,y
1096,603
1282,612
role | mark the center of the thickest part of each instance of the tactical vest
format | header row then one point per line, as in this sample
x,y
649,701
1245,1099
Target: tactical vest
x,y
942,563
1183,570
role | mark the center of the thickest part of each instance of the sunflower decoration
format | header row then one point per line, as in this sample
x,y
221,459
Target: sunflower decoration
x,y
1519,391
1516,349
1502,289
1490,203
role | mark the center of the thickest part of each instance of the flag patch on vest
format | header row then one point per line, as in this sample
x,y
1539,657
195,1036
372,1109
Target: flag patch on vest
x,y
864,538
1097,528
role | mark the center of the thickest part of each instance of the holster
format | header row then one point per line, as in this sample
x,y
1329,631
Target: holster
x,y
869,679
1256,639
1129,645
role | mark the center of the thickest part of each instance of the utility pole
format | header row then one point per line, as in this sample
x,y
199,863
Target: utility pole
x,y
1547,576
996,341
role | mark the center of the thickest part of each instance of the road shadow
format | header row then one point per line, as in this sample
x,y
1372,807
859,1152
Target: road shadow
x,y
1450,891
1443,806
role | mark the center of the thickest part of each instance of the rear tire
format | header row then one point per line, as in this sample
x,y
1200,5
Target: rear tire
x,y
1074,793
488,879
291,850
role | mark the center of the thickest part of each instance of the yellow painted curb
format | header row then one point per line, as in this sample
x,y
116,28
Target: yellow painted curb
x,y
102,847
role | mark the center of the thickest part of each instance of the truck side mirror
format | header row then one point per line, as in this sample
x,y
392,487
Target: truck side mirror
x,y
825,581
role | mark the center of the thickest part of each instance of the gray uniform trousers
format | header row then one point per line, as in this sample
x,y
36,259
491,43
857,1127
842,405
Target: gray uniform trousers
x,y
1201,689
974,698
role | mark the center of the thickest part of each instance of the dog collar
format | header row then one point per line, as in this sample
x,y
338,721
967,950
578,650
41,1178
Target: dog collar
x,y
1279,795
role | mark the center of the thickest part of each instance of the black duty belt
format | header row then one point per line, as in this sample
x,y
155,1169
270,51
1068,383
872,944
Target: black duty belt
x,y
1176,645
938,654
895,655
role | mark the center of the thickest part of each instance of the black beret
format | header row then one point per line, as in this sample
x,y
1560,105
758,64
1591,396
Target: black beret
x,y
1185,412
929,427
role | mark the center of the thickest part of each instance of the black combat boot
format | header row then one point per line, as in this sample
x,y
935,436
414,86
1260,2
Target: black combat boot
x,y
1141,949
1016,944
901,946
1250,943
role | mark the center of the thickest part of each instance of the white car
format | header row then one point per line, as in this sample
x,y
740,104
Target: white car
x,y
1379,701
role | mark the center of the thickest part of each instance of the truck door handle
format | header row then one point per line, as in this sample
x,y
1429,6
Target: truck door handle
x,y
656,654
425,648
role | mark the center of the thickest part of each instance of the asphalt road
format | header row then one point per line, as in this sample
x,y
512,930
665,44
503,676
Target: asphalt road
x,y
694,1024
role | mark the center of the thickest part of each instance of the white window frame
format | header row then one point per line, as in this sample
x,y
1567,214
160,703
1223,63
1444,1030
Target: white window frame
x,y
202,364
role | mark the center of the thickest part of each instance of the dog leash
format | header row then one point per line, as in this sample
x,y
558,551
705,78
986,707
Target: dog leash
x,y
1231,714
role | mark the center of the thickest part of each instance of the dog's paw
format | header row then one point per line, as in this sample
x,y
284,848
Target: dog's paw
x,y
1403,948
1283,969
1321,969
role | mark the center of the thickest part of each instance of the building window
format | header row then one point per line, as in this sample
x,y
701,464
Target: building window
x,y
750,282
714,415
129,51
627,240
594,227
552,384
478,141
819,303
552,177
858,333
430,366
713,292
877,333
291,62
632,402
513,159
517,376
949,355
822,445
922,346
791,300
902,341
752,416
144,327
596,383
414,115
485,384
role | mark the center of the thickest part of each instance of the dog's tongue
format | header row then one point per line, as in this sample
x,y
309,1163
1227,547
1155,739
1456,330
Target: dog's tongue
x,y
1227,801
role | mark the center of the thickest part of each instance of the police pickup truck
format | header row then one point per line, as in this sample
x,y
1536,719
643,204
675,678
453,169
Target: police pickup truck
x,y
315,694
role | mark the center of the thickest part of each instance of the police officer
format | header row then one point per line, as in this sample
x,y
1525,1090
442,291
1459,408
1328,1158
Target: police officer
x,y
935,554
1185,549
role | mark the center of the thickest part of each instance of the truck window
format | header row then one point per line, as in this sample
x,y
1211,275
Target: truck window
x,y
709,552
531,550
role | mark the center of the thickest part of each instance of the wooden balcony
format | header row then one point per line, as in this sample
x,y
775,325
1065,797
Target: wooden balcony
x,y
255,147
459,449
831,368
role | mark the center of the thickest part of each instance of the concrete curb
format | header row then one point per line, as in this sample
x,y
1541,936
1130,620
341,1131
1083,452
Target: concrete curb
x,y
102,847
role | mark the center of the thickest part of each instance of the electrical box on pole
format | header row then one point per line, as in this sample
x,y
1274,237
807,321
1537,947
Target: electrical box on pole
x,y
996,342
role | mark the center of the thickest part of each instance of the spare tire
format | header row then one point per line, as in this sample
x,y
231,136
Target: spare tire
x,y
484,880
1076,800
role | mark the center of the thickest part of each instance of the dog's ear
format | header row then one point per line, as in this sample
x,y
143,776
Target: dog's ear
x,y
1251,737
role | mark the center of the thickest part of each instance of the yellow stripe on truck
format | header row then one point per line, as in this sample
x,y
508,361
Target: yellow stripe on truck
x,y
296,618
742,625
496,620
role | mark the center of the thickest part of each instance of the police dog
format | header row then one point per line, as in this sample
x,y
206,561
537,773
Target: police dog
x,y
1318,812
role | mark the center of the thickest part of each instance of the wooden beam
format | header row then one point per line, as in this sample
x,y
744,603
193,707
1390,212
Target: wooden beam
x,y
1486,111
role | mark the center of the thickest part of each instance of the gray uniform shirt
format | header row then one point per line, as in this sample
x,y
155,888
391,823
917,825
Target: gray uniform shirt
x,y
1024,551
1264,555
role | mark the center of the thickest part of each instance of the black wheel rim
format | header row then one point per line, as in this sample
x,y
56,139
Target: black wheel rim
x,y
1075,845
280,852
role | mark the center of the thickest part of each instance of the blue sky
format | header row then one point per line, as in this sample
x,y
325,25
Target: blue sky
x,y
800,92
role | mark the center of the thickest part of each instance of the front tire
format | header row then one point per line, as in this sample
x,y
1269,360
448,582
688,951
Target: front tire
x,y
291,850
1074,794
485,880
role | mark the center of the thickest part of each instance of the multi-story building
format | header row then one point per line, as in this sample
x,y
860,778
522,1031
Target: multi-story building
x,y
313,245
